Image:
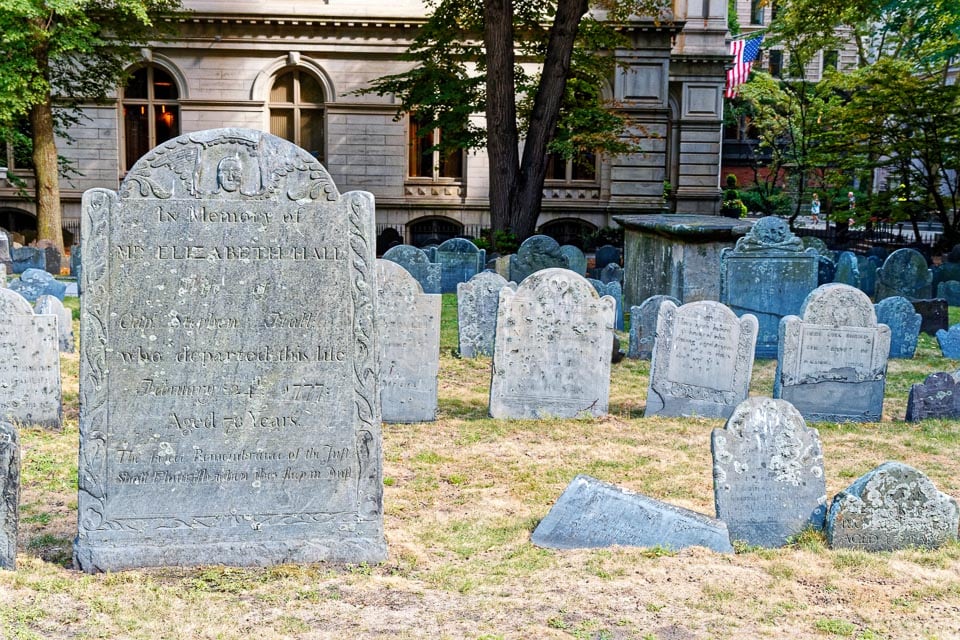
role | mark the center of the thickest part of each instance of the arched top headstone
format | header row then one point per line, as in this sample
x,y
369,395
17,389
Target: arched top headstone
x,y
458,245
400,281
576,261
405,254
905,272
536,253
556,284
839,305
14,304
34,283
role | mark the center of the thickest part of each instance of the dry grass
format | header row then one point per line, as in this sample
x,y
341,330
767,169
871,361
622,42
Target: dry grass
x,y
462,496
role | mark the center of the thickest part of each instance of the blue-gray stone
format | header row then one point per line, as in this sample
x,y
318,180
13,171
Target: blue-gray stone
x,y
614,290
905,273
459,261
643,326
9,494
868,275
34,283
611,273
575,259
936,397
904,322
847,271
949,342
5,257
592,514
536,253
935,315
418,264
431,251
477,302
949,290
945,272
607,254
76,267
813,242
826,270
28,258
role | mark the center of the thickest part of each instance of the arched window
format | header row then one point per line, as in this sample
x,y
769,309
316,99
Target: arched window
x,y
151,113
296,110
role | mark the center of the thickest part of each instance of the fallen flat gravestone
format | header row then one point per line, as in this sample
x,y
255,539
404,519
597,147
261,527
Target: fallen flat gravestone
x,y
34,283
409,339
643,326
418,264
459,260
9,494
898,313
591,514
49,305
833,361
702,360
536,253
228,374
934,314
768,480
949,342
905,273
936,397
552,349
892,507
477,302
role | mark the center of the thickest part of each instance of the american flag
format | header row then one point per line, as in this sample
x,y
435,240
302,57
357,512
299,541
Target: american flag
x,y
744,53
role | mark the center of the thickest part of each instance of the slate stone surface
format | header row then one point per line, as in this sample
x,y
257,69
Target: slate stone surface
x,y
53,259
767,274
417,262
477,302
868,275
12,303
28,258
592,514
898,313
614,290
6,259
607,254
3,276
949,290
945,272
936,397
611,273
892,507
576,261
643,326
50,305
826,270
832,360
904,273
702,360
459,261
934,313
29,364
9,494
534,254
34,283
768,479
848,270
552,349
949,342
229,362
76,268
408,321
815,243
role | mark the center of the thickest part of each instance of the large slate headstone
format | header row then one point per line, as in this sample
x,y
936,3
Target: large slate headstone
x,y
34,283
229,366
28,258
615,291
459,261
607,254
949,342
408,322
643,326
936,397
552,350
833,359
892,507
867,269
611,273
768,480
50,305
934,314
576,261
536,253
592,514
418,264
9,494
949,290
847,271
768,274
477,302
898,313
904,273
702,360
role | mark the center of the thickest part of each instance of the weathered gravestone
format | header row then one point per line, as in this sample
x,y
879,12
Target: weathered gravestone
x,y
848,271
813,242
892,507
477,302
611,273
904,273
948,270
34,283
867,269
607,254
768,480
50,305
934,314
552,350
9,494
75,261
6,259
418,264
459,261
536,253
29,364
936,397
949,290
502,266
576,261
228,372
833,359
897,313
949,342
591,514
408,325
643,326
768,274
3,276
615,291
54,260
28,258
702,360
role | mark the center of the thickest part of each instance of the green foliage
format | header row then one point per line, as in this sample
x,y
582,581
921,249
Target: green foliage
x,y
506,241
604,235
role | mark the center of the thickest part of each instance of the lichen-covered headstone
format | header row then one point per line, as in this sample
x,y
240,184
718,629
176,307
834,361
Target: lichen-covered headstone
x,y
408,322
702,360
24,258
614,290
949,290
767,274
9,494
904,273
898,313
867,269
50,305
477,302
459,260
552,350
934,314
949,342
536,253
892,507
833,359
228,370
643,326
34,283
936,397
576,261
847,271
768,480
418,264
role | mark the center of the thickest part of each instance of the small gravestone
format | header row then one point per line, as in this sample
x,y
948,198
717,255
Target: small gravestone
x,y
868,275
576,261
552,349
611,273
459,261
949,290
50,305
905,273
591,514
898,313
614,290
818,245
768,480
934,314
607,254
848,271
949,342
28,258
643,326
826,270
767,274
409,340
936,397
892,507
9,494
6,258
34,283
702,360
477,302
502,266
833,359
418,264
536,253
53,260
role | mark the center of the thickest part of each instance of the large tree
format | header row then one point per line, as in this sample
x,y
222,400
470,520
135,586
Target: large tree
x,y
56,56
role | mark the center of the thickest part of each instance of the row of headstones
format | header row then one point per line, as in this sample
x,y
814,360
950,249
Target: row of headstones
x,y
769,486
17,259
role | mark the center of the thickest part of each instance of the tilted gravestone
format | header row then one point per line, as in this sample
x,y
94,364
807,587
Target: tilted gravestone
x,y
848,271
576,261
702,360
892,507
898,313
34,283
768,274
459,261
536,253
643,326
552,350
934,314
867,269
768,480
477,302
949,290
418,264
615,291
29,364
949,342
228,371
592,514
49,305
9,494
833,359
936,397
904,273
408,322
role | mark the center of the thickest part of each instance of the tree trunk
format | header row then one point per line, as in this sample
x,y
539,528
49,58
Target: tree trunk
x,y
46,172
